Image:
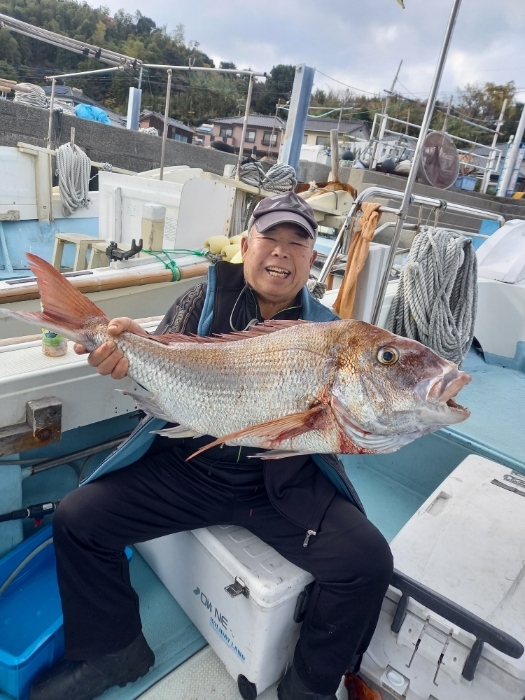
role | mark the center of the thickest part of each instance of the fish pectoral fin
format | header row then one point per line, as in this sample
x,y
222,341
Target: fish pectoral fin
x,y
277,454
147,404
179,431
260,329
277,430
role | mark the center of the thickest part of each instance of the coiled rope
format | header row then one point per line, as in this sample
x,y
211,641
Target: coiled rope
x,y
73,168
279,178
437,296
35,98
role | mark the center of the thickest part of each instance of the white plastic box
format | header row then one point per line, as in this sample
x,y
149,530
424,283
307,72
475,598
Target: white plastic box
x,y
467,542
254,633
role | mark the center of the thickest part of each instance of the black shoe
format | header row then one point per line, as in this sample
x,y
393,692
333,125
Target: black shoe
x,y
292,688
83,680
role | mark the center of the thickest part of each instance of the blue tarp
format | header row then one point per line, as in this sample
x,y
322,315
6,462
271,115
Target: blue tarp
x,y
94,113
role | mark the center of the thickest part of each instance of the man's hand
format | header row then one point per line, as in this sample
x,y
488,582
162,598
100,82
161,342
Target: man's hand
x,y
108,359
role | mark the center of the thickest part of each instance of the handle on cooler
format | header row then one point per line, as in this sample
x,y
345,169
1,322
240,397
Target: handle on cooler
x,y
484,632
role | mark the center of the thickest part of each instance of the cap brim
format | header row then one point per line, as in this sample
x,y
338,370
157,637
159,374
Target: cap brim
x,y
273,218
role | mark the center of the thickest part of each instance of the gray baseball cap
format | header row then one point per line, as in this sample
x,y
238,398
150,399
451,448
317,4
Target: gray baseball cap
x,y
285,208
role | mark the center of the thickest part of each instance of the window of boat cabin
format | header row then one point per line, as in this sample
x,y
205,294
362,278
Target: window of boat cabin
x,y
250,136
269,139
226,131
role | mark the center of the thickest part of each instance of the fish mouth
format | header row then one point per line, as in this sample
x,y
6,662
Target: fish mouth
x,y
279,272
444,388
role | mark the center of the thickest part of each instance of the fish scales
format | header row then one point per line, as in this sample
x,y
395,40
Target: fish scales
x,y
230,386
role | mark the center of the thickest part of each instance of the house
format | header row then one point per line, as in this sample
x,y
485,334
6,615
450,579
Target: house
x,y
317,131
263,133
71,97
177,130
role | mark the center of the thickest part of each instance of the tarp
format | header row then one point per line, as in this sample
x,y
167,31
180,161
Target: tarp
x,y
90,112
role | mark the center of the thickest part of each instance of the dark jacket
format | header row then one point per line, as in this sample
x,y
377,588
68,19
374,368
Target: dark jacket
x,y
301,487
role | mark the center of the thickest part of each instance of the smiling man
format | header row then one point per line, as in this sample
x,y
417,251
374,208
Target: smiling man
x,y
303,506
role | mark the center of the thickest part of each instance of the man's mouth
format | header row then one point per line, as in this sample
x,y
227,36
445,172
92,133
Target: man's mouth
x,y
278,272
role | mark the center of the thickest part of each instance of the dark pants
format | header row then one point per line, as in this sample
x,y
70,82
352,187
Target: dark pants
x,y
161,494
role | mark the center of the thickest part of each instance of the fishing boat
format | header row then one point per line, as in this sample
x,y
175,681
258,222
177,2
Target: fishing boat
x,y
428,644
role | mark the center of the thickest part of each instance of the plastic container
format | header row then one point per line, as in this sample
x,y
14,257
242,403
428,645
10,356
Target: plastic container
x,y
464,182
466,543
253,628
31,633
53,345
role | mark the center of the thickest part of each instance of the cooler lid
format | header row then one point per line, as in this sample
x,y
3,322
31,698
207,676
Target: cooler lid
x,y
270,578
466,542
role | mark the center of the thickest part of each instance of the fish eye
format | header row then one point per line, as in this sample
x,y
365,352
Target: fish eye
x,y
387,355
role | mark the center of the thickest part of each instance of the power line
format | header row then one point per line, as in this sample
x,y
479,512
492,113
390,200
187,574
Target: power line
x,y
345,84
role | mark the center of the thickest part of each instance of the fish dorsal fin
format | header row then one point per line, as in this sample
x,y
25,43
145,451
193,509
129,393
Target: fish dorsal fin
x,y
275,431
264,328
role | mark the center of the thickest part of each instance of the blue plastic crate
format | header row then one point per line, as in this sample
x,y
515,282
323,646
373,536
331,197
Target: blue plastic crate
x,y
31,634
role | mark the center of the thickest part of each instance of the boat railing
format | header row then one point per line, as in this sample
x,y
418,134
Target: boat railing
x,y
383,192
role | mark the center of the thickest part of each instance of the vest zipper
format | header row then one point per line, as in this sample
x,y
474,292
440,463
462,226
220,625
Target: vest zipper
x,y
309,533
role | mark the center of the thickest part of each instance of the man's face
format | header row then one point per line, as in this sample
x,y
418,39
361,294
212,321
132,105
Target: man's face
x,y
277,262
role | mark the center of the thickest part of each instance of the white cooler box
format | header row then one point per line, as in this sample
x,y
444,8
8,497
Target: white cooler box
x,y
240,594
466,542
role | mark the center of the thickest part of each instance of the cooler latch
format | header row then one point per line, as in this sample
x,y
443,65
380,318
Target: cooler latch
x,y
235,589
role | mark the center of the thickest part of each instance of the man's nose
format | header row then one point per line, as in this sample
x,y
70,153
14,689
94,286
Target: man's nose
x,y
281,251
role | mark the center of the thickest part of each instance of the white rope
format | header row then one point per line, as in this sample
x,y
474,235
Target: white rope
x,y
437,296
73,169
279,178
35,98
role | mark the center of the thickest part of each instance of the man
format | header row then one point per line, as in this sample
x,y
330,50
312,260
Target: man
x,y
305,508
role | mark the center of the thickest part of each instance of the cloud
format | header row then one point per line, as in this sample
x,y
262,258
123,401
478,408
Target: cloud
x,y
359,43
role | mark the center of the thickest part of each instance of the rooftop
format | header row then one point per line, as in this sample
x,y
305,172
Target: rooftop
x,y
345,127
258,120
171,122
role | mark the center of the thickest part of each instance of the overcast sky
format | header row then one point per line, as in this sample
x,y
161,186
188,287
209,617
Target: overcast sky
x,y
358,42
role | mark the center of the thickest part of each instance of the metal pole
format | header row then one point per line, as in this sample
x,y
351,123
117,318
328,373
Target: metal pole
x,y
403,210
297,114
503,186
208,70
51,104
140,77
492,157
382,128
447,115
84,72
165,131
244,126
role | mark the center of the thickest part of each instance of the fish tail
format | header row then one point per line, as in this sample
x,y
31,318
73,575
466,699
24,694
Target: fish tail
x,y
65,310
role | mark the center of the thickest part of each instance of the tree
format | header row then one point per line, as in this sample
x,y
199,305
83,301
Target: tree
x,y
278,86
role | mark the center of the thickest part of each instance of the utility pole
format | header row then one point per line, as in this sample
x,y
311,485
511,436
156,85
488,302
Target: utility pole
x,y
447,115
492,157
382,128
505,178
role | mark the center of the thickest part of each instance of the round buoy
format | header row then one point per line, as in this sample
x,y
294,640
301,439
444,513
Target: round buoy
x,y
387,166
347,155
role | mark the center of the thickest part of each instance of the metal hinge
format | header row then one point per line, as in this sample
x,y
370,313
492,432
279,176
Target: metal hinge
x,y
235,589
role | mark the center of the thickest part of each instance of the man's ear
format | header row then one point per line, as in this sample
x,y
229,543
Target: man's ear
x,y
244,246
313,258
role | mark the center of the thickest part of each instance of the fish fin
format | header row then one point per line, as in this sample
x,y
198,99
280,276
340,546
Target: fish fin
x,y
66,310
277,430
179,431
147,404
277,454
260,329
